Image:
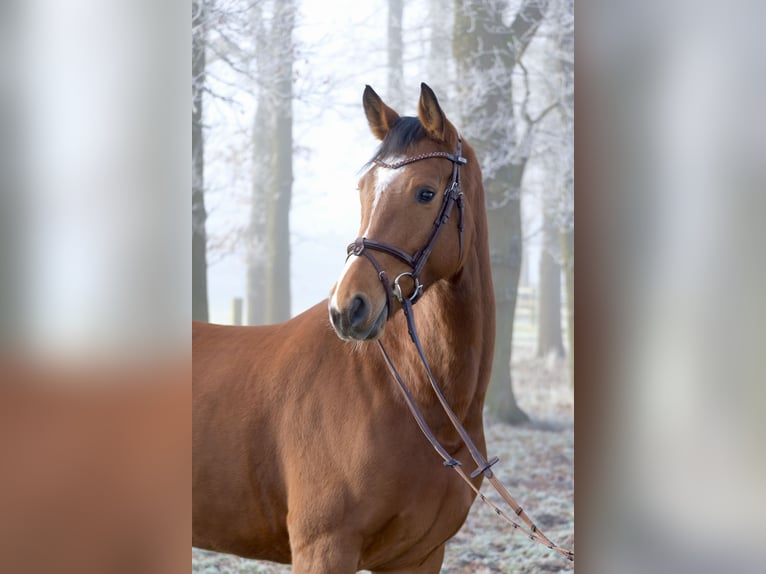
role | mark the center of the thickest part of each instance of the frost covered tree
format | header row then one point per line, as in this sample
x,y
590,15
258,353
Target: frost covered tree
x,y
268,266
555,144
439,68
500,119
220,57
395,49
199,214
549,336
565,211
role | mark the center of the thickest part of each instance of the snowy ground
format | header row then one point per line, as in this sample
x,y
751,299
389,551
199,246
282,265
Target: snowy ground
x,y
536,465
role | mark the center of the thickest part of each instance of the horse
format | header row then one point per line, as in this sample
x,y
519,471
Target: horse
x,y
304,451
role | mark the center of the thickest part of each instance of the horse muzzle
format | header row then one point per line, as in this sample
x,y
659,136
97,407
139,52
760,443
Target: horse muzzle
x,y
355,321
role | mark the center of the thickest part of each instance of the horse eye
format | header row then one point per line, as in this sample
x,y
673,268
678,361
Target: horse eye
x,y
425,195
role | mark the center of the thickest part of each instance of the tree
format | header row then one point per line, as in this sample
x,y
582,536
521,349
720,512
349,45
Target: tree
x,y
556,138
199,214
439,53
11,213
549,296
395,54
218,49
268,272
567,258
486,52
566,217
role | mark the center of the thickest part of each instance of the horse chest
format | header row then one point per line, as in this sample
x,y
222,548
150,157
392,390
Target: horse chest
x,y
375,479
430,508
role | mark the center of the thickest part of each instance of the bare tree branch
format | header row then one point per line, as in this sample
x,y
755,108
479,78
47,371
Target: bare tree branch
x,y
525,24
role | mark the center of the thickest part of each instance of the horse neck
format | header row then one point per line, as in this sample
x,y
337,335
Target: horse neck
x,y
455,320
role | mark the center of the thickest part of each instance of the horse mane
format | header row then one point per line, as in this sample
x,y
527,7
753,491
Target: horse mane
x,y
405,133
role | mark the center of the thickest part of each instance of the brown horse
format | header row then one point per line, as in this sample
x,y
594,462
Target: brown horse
x,y
303,448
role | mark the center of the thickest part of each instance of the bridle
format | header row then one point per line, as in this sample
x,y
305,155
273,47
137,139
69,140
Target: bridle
x,y
452,196
363,246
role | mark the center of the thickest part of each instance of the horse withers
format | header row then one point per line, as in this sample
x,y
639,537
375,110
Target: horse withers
x,y
303,450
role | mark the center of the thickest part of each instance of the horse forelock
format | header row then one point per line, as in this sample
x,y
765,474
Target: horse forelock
x,y
406,132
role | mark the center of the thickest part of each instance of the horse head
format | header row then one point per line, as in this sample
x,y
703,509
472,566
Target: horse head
x,y
415,228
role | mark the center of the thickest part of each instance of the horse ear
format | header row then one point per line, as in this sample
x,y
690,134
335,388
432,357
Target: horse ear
x,y
380,117
431,115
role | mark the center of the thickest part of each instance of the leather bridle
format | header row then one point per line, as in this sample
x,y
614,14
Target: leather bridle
x,y
363,246
452,196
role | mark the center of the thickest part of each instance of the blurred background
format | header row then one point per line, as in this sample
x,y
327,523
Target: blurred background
x,y
279,138
670,378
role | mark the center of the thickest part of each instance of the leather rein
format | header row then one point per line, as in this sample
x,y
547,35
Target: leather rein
x,y
363,247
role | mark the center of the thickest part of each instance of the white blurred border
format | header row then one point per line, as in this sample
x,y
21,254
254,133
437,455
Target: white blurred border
x,y
683,140
102,94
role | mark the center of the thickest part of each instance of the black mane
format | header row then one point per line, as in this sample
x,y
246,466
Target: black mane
x,y
406,132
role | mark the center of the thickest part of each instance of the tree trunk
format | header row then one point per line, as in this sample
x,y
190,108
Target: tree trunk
x,y
261,177
268,272
256,241
278,263
549,338
485,61
505,244
395,54
567,261
566,61
199,214
13,235
477,50
439,53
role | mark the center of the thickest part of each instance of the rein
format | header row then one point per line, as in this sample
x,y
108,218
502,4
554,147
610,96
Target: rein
x,y
363,246
483,465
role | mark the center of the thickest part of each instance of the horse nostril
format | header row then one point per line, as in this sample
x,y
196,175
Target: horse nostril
x,y
358,311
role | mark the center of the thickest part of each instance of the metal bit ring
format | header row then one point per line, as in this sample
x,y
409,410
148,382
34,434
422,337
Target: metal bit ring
x,y
417,291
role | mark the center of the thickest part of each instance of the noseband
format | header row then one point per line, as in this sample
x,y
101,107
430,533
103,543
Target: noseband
x,y
452,196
